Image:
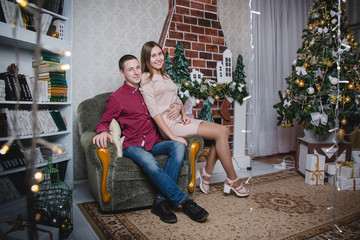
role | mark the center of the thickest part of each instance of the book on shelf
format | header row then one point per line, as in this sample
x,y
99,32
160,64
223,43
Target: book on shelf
x,y
8,191
10,87
9,9
59,120
3,124
46,59
13,158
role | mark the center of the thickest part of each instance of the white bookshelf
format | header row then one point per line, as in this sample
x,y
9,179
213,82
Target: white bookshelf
x,y
22,42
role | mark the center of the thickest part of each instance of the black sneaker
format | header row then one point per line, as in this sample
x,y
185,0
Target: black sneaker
x,y
162,209
194,211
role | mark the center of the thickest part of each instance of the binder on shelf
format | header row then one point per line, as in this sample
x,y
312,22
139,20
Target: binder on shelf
x,y
58,118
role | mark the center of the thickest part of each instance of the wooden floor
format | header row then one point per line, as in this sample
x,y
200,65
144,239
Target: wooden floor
x,y
82,229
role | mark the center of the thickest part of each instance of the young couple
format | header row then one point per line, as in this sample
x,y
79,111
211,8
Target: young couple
x,y
149,94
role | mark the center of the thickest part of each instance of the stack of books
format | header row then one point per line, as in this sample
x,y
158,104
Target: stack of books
x,y
52,83
11,83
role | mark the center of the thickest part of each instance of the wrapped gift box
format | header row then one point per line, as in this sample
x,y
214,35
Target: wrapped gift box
x,y
331,179
348,183
355,156
315,169
349,170
43,232
331,168
340,152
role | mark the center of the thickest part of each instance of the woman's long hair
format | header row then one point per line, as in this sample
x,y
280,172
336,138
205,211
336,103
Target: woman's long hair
x,y
145,59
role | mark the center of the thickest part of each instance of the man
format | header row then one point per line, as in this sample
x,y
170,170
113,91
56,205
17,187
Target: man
x,y
142,142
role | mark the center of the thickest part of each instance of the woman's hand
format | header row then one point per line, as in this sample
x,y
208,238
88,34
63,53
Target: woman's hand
x,y
180,139
186,119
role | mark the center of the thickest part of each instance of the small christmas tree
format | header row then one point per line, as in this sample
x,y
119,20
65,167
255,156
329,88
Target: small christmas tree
x,y
237,89
323,87
181,69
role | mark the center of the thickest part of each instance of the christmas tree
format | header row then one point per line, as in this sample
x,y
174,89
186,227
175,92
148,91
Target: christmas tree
x,y
323,87
237,89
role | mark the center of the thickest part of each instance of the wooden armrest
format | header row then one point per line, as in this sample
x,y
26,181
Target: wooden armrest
x,y
193,151
104,157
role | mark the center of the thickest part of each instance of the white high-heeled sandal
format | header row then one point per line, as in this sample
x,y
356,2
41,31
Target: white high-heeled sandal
x,y
240,191
204,184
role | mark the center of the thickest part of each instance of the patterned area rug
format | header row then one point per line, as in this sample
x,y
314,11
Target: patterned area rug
x,y
281,206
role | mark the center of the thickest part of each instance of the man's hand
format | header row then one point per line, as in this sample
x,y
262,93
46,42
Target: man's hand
x,y
101,139
174,111
180,139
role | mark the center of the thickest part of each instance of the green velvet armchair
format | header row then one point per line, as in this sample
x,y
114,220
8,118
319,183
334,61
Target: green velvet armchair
x,y
117,183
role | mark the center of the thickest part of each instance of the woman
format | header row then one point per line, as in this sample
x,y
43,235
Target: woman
x,y
160,94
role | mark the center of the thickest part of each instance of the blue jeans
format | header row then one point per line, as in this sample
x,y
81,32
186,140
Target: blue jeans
x,y
164,179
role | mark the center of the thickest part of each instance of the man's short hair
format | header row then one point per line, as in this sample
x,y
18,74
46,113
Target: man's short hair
x,y
125,58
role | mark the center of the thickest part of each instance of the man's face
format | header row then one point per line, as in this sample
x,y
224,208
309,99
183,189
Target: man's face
x,y
132,72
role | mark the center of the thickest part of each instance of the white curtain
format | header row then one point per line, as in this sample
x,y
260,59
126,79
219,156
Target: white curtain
x,y
276,38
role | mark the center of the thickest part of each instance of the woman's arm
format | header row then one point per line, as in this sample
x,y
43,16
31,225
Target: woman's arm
x,y
162,125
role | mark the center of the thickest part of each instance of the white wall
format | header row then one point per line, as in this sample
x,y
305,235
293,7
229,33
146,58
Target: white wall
x,y
103,31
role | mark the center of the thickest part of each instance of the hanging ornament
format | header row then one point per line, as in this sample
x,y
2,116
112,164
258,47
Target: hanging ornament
x,y
187,84
348,36
341,133
297,81
310,90
347,99
311,27
322,22
288,125
217,98
344,121
351,86
283,125
333,80
318,87
301,83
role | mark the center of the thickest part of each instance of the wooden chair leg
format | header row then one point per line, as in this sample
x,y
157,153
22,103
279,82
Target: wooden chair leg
x,y
104,157
193,151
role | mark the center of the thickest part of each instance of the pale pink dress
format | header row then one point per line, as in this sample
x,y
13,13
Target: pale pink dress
x,y
158,95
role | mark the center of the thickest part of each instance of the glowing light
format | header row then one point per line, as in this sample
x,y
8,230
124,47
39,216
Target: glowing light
x,y
38,176
246,131
338,228
35,188
4,150
246,98
57,149
346,81
256,12
331,130
247,181
65,67
329,208
22,3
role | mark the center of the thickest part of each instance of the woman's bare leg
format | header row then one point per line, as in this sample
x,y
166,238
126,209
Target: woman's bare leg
x,y
220,134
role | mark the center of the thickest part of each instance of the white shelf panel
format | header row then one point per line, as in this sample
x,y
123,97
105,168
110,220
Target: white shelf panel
x,y
27,39
3,139
38,165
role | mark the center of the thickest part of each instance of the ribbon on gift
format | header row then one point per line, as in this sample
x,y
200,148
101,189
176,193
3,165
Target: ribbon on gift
x,y
19,226
316,174
347,164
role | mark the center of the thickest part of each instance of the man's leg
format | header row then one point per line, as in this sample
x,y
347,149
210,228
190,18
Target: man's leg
x,y
175,151
160,178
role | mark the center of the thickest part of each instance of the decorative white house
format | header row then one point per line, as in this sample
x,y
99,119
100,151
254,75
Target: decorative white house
x,y
196,75
224,68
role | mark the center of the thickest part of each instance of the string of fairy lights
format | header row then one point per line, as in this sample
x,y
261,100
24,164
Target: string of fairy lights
x,y
33,177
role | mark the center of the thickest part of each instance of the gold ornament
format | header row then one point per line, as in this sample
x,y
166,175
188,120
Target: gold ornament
x,y
311,27
306,65
341,133
297,81
301,83
283,125
288,125
348,36
287,91
351,86
300,58
217,98
322,22
329,63
347,99
187,84
344,121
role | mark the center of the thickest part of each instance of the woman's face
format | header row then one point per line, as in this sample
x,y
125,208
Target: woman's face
x,y
156,59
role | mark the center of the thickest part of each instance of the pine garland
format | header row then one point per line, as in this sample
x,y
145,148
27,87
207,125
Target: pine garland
x,y
180,73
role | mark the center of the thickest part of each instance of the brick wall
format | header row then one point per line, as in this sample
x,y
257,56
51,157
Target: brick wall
x,y
196,25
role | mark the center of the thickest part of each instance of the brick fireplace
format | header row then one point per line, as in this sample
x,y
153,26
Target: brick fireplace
x,y
196,25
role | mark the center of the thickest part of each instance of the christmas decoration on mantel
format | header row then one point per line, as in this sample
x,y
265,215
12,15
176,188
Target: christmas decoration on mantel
x,y
195,88
323,87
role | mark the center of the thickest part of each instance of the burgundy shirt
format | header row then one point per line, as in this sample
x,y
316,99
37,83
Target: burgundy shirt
x,y
127,106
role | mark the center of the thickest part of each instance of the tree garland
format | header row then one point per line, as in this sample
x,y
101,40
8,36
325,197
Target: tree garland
x,y
180,73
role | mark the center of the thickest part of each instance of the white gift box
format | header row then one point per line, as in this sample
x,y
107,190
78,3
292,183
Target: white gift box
x,y
331,179
331,168
349,171
355,156
348,183
43,232
315,169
